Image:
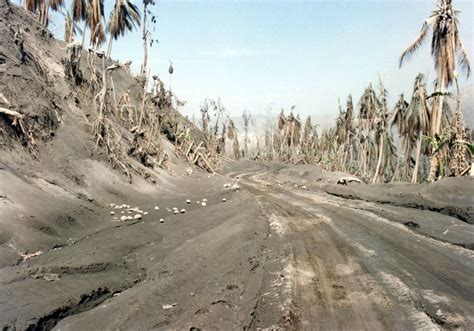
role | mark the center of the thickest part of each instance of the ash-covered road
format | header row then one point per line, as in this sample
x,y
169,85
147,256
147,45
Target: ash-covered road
x,y
348,268
279,253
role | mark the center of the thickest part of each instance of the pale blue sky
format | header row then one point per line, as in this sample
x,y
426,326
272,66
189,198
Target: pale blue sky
x,y
253,54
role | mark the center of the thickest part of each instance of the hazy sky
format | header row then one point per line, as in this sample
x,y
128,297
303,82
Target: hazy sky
x,y
255,54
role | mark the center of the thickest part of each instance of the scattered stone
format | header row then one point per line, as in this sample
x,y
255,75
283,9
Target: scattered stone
x,y
129,218
226,185
123,211
198,202
204,204
183,211
112,205
205,200
123,218
176,211
169,306
235,187
162,220
224,199
188,201
112,213
346,180
115,218
51,277
157,208
137,216
304,187
145,213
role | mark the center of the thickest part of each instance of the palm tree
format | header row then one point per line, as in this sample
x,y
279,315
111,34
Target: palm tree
x,y
146,3
94,18
368,105
417,121
445,45
398,119
41,7
79,12
381,132
124,17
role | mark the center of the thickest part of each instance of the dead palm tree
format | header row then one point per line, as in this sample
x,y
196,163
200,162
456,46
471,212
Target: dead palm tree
x,y
125,16
41,7
446,44
417,121
368,106
94,20
398,119
79,12
381,132
146,3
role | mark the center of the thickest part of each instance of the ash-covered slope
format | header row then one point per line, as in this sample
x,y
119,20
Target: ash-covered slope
x,y
54,175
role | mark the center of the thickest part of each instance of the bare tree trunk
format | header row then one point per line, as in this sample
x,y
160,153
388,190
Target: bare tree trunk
x,y
145,41
109,48
84,33
414,178
103,91
379,163
434,158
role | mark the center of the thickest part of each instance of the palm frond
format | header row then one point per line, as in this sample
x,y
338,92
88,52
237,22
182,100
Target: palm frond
x,y
416,43
56,4
124,17
79,10
463,60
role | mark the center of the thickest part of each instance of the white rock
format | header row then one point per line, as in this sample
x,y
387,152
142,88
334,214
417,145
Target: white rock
x,y
169,306
145,213
205,200
112,213
137,216
123,218
129,218
204,204
123,211
157,208
176,211
162,220
183,211
198,202
304,187
235,187
112,205
188,201
224,199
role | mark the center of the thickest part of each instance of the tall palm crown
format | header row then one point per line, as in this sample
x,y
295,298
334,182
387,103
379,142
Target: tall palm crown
x,y
445,43
42,8
95,14
124,17
417,119
79,10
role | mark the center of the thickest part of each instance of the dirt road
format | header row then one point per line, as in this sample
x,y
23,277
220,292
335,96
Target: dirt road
x,y
271,255
349,268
